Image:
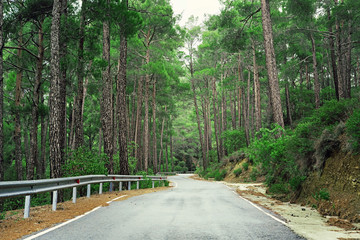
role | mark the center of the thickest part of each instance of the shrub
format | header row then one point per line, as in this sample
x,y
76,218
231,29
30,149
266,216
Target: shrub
x,y
322,194
220,175
254,174
233,140
353,129
279,188
84,162
296,182
245,166
237,172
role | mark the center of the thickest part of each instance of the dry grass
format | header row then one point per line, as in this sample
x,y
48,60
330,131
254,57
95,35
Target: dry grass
x,y
14,226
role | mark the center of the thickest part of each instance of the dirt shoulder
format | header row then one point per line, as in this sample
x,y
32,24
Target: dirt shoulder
x,y
305,221
14,226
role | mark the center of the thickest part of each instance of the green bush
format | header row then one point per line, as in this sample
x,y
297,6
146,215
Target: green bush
x,y
245,166
220,175
322,194
279,188
85,162
233,140
353,130
254,174
237,172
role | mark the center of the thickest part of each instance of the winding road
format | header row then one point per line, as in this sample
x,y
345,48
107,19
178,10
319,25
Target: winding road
x,y
190,210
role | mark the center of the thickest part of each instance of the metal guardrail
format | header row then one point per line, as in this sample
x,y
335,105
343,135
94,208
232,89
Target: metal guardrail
x,y
29,187
174,173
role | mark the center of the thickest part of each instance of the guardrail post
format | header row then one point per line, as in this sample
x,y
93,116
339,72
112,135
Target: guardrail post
x,y
88,190
54,203
111,187
153,184
27,206
129,186
74,195
137,184
120,186
100,188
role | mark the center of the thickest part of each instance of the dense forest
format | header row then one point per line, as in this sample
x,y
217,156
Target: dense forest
x,y
103,87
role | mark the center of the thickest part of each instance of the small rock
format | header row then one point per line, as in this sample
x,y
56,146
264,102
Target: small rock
x,y
303,209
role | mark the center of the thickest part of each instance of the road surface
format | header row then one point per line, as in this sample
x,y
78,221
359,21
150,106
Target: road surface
x,y
191,210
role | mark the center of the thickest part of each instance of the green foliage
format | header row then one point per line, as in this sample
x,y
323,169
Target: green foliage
x,y
245,166
322,194
84,162
271,153
353,129
233,140
254,174
237,172
279,188
296,182
220,175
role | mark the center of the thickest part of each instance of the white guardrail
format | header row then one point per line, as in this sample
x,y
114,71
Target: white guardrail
x,y
29,187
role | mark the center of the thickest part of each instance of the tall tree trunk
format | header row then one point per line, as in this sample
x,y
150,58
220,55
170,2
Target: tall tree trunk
x,y
223,122
55,119
44,129
216,127
35,109
62,92
78,117
146,100
154,128
206,129
256,92
1,97
232,111
122,109
161,141
204,156
107,100
243,101
167,157
137,136
17,134
333,56
348,62
316,75
271,63
171,152
288,106
339,57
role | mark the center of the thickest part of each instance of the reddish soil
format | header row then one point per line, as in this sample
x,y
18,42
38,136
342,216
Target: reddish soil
x,y
14,226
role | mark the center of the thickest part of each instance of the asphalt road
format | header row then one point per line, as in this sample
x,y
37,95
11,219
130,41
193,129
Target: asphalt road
x,y
191,210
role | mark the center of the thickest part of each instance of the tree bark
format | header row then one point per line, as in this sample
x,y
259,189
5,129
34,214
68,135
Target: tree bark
x,y
316,75
257,92
271,63
333,56
288,105
154,128
204,156
137,136
122,109
17,134
78,117
42,161
107,100
35,108
161,140
1,97
216,127
55,119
